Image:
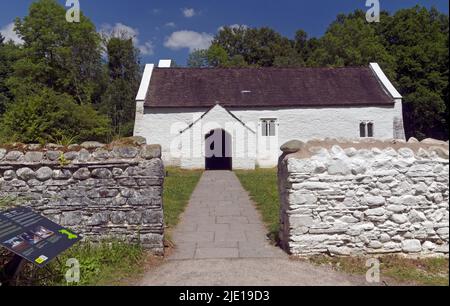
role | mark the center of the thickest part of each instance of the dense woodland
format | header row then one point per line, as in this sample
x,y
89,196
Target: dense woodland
x,y
68,83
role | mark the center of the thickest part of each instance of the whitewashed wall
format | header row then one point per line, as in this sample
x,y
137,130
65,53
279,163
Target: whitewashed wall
x,y
155,124
372,200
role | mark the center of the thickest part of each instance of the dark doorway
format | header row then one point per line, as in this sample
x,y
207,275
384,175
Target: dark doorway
x,y
218,150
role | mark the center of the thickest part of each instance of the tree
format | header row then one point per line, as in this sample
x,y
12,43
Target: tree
x,y
257,46
198,59
59,55
215,56
237,61
48,115
351,41
9,53
3,73
418,40
118,102
56,80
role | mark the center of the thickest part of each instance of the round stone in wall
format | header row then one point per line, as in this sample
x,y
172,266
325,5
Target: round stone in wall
x,y
92,145
34,157
2,153
71,155
125,151
292,146
53,155
14,156
44,173
151,151
84,155
82,174
9,175
411,246
26,174
102,173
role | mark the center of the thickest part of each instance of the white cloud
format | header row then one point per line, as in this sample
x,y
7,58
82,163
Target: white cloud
x,y
170,25
9,34
188,39
156,11
233,26
189,12
124,31
147,48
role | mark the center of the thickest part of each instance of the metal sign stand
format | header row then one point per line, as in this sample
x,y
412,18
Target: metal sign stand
x,y
11,271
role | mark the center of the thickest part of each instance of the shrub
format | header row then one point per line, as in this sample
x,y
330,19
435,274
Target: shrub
x,y
47,115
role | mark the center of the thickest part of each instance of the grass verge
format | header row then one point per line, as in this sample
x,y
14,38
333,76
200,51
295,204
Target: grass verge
x,y
106,263
423,271
263,188
178,187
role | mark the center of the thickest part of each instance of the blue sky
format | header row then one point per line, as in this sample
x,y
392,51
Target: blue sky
x,y
170,29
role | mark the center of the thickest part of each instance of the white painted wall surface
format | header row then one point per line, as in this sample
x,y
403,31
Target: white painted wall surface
x,y
159,125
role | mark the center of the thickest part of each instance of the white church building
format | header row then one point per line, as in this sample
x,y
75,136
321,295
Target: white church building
x,y
237,118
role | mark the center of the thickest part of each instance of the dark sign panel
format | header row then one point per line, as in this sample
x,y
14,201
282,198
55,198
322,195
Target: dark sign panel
x,y
34,237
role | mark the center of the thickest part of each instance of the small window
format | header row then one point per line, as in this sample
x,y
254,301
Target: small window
x,y
272,128
362,129
264,128
370,129
366,129
268,127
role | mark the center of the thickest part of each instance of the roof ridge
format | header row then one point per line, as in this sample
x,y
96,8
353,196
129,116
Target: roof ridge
x,y
261,68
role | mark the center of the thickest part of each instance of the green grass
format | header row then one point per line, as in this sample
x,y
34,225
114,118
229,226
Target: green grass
x,y
178,187
106,263
423,271
263,188
113,263
10,202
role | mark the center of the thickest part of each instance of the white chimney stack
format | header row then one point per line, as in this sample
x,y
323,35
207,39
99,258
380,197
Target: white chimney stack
x,y
166,63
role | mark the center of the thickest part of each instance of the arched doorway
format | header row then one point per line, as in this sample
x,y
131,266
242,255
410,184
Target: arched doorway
x,y
218,150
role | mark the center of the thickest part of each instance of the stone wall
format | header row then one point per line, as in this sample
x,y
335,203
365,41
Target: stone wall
x,y
365,197
101,191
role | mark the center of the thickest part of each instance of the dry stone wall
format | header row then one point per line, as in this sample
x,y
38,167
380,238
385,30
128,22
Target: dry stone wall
x,y
374,197
101,191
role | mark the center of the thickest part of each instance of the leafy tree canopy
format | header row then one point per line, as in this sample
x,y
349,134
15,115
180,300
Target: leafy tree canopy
x,y
124,74
59,55
412,47
50,116
418,40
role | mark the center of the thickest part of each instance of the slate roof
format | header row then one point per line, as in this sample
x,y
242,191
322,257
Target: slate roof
x,y
265,87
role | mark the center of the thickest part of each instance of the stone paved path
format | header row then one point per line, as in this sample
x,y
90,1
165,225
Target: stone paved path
x,y
221,222
221,241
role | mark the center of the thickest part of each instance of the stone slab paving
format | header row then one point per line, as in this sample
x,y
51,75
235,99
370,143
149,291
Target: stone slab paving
x,y
221,222
221,241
